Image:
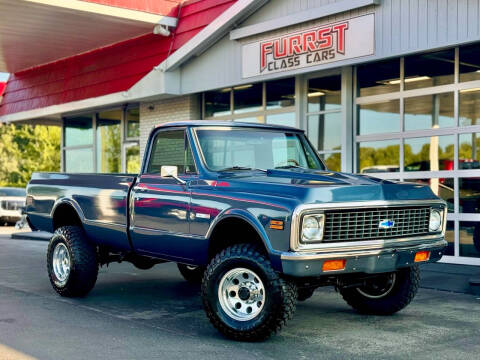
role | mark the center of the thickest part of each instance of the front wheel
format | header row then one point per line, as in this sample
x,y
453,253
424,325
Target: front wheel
x,y
71,262
244,298
385,294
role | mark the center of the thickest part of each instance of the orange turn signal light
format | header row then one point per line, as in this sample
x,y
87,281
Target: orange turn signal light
x,y
422,256
334,265
276,224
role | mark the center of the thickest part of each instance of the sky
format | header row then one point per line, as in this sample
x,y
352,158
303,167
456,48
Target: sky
x,y
3,77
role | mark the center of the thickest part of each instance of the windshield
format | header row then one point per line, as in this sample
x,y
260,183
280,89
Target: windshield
x,y
244,149
12,192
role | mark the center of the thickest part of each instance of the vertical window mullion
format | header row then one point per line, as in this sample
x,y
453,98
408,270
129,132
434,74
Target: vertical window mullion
x,y
94,128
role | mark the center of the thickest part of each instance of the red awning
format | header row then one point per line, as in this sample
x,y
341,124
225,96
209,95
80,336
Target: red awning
x,y
107,70
2,87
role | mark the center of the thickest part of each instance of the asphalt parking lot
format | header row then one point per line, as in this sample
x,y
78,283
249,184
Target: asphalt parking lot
x,y
135,314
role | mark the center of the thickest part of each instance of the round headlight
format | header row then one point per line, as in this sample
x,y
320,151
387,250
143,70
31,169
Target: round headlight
x,y
435,220
312,229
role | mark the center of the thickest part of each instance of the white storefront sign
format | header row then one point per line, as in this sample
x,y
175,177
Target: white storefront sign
x,y
323,44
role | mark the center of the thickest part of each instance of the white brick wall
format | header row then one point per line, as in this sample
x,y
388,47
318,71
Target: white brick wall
x,y
175,109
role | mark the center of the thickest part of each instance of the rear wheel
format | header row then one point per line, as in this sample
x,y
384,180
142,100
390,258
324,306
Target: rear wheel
x,y
71,262
193,274
385,294
244,298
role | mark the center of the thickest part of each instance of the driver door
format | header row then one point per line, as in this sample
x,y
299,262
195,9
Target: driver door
x,y
160,220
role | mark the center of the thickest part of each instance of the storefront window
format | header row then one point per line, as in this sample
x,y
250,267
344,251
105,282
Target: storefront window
x,y
79,160
430,69
469,151
437,151
469,239
254,119
324,131
442,187
379,156
332,161
132,155
450,238
324,93
429,153
280,93
378,118
469,107
469,195
247,98
106,128
78,131
217,103
272,102
109,142
286,119
429,112
469,63
378,78
133,123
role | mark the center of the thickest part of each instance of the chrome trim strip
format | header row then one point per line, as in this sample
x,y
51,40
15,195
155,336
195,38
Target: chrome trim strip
x,y
295,244
106,224
360,253
166,232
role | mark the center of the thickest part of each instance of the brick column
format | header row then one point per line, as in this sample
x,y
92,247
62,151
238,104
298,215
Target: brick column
x,y
174,109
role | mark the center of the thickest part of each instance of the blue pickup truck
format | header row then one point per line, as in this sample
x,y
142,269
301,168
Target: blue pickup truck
x,y
249,211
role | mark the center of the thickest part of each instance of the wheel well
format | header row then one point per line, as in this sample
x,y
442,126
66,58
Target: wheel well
x,y
65,214
233,231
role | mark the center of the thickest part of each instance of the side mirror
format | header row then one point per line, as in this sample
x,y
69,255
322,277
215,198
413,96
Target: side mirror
x,y
171,171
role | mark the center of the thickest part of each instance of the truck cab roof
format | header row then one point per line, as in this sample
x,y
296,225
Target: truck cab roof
x,y
229,124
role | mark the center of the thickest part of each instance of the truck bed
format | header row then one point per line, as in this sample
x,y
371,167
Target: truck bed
x,y
101,200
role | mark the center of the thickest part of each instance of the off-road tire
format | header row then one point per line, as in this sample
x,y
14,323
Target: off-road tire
x,y
404,290
305,293
280,294
192,275
83,260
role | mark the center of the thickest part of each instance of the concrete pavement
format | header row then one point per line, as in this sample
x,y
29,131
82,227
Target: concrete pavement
x,y
134,314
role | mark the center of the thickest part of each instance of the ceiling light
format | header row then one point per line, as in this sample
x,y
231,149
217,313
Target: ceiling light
x,y
408,80
469,90
242,87
316,94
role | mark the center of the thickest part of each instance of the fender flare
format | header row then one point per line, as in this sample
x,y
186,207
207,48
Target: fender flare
x,y
243,215
70,202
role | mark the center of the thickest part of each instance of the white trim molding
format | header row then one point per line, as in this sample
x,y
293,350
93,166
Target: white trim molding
x,y
300,17
212,33
107,10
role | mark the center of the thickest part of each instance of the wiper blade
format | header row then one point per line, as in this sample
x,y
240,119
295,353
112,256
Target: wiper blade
x,y
235,168
289,167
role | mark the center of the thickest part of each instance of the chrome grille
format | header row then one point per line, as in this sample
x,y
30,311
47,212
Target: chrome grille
x,y
363,224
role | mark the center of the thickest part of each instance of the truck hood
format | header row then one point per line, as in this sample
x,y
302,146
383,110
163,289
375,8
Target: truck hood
x,y
309,186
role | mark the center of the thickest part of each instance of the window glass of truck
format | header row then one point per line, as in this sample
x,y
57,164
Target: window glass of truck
x,y
256,149
171,148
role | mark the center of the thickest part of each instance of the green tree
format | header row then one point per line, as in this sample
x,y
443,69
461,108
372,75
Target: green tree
x,y
25,149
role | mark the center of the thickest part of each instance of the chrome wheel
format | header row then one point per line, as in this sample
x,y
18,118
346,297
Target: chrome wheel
x,y
241,294
61,263
378,288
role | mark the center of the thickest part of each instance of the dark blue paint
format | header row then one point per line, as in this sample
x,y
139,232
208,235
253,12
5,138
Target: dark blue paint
x,y
165,219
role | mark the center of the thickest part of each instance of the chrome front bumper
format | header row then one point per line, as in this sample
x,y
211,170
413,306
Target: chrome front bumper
x,y
363,257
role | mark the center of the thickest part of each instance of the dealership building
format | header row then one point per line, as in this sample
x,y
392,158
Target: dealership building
x,y
389,88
